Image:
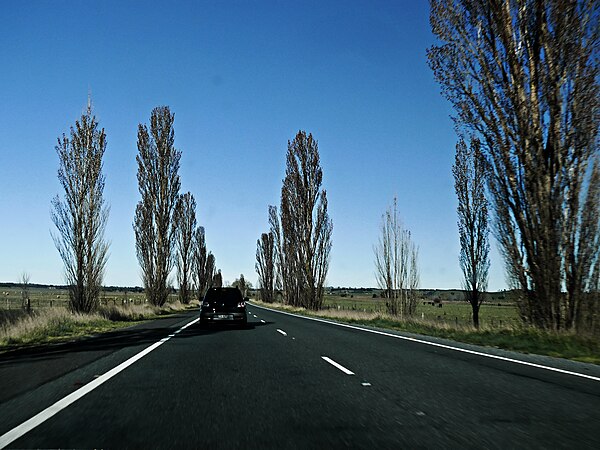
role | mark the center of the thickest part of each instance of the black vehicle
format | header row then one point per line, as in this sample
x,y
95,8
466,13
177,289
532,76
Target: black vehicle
x,y
223,305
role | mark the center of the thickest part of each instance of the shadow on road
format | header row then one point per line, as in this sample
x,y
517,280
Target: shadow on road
x,y
25,368
146,333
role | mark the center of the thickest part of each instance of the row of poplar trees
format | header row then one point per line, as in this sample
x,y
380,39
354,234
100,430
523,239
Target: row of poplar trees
x,y
292,258
166,232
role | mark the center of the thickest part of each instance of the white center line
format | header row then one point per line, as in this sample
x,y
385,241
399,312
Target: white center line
x,y
282,332
41,417
339,366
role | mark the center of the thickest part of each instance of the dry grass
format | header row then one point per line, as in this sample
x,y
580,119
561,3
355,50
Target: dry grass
x,y
58,324
361,315
49,325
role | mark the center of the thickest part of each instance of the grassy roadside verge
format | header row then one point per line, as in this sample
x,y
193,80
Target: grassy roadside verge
x,y
519,339
52,325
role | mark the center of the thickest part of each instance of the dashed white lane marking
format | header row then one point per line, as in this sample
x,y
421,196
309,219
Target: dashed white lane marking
x,y
262,321
435,344
255,316
366,384
38,419
282,332
339,366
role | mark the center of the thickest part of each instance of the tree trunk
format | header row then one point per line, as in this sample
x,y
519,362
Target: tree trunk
x,y
475,315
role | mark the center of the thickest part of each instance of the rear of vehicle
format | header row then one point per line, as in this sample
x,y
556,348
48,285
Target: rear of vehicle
x,y
223,305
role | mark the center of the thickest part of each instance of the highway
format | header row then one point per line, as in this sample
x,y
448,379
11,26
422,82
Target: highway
x,y
289,382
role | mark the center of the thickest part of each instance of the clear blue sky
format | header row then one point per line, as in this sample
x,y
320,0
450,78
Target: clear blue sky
x,y
242,78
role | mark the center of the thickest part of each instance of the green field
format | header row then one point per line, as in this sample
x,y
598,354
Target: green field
x,y
45,297
496,312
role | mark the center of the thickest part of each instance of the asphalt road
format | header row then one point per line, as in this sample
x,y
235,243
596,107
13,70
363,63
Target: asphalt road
x,y
287,382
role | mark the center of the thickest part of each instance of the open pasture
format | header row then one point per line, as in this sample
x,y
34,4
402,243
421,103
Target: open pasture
x,y
496,311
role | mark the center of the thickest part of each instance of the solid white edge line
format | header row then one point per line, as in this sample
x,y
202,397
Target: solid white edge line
x,y
47,413
339,366
282,332
435,344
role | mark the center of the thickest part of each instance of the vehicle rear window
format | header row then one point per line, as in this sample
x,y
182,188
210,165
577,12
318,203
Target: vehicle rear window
x,y
230,296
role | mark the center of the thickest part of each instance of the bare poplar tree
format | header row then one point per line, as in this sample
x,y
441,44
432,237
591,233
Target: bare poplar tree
x,y
265,266
81,215
203,268
217,279
185,219
305,224
469,183
523,77
279,256
25,299
396,265
154,224
211,270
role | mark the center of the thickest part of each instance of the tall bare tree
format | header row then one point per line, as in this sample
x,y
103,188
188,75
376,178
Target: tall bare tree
x,y
203,263
81,215
523,77
185,219
217,280
159,184
25,299
279,270
265,266
396,264
469,183
211,270
305,224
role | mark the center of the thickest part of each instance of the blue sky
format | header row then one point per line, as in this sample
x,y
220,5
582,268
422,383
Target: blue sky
x,y
242,78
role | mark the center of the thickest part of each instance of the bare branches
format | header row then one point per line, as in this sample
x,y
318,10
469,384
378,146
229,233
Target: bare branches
x,y
81,215
469,183
305,237
154,224
523,77
185,220
265,266
217,280
203,264
396,264
25,300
